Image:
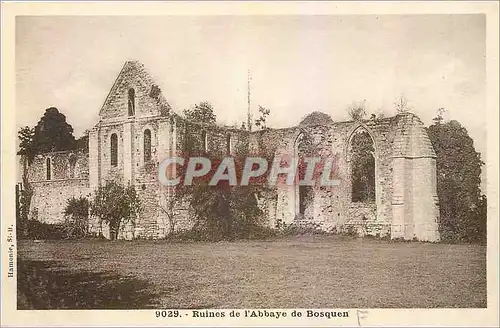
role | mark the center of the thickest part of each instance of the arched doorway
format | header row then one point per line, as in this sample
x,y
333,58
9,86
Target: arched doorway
x,y
363,174
362,167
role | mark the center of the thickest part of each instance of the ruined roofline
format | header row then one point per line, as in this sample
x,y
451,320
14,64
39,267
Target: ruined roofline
x,y
58,152
336,123
295,127
221,126
217,125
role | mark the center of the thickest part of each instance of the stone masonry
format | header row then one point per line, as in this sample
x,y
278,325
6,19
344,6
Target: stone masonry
x,y
137,129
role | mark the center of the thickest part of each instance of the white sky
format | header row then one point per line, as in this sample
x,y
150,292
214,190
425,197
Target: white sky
x,y
299,64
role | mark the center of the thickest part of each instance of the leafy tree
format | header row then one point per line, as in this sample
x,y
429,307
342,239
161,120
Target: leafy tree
x,y
76,215
261,121
25,194
115,204
83,141
26,147
458,165
53,133
202,112
401,105
357,110
439,117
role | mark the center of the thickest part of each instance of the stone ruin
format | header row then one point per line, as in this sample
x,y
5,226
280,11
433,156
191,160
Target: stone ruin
x,y
137,129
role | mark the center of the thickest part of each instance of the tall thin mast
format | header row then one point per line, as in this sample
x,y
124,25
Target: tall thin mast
x,y
249,109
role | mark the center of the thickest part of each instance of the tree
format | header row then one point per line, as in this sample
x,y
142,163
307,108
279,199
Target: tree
x,y
458,166
401,105
25,196
76,216
439,117
53,133
26,146
357,110
261,121
202,113
26,150
115,204
83,141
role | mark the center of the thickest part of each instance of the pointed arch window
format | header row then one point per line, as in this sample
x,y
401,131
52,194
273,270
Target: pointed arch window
x,y
131,102
48,167
147,145
114,150
362,167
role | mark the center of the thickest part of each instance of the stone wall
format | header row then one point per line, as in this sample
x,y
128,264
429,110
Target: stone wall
x,y
405,205
69,177
406,202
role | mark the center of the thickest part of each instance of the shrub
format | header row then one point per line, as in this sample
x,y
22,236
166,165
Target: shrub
x,y
225,212
294,229
44,231
76,213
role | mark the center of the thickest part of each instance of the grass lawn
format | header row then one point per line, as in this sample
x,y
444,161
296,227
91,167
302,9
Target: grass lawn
x,y
298,272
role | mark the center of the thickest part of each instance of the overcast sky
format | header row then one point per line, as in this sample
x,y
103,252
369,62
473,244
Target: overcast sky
x,y
299,64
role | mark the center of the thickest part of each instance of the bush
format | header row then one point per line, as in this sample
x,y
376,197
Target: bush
x,y
203,234
295,229
225,212
44,231
76,214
